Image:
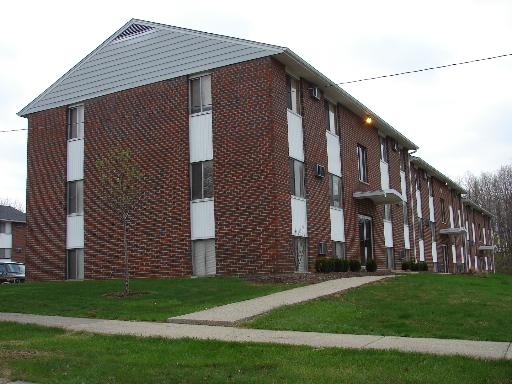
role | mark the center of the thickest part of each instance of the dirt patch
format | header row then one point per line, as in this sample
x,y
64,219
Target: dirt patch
x,y
308,278
20,354
122,295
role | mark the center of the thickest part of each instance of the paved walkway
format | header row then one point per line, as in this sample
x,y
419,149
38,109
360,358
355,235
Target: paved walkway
x,y
231,314
479,349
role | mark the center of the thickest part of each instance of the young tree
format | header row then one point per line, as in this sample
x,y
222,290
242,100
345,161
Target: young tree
x,y
121,181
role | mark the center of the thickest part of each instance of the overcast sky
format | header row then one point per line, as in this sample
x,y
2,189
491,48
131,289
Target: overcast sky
x,y
457,116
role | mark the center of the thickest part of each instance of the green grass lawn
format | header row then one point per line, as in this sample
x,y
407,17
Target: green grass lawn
x,y
163,298
49,355
424,305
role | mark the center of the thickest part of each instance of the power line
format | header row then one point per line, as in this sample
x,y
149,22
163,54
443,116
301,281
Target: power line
x,y
421,70
14,130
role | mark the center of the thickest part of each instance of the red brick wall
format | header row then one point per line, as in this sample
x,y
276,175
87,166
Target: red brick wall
x,y
46,194
19,242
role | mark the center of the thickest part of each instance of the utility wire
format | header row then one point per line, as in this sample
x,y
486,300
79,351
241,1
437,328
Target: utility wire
x,y
421,70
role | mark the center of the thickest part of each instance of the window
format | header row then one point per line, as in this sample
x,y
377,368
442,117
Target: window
x,y
201,94
362,163
433,231
297,178
406,213
390,258
418,180
5,227
338,249
387,212
420,228
293,94
403,159
76,122
5,253
332,125
335,190
383,149
75,197
430,187
443,211
202,180
75,264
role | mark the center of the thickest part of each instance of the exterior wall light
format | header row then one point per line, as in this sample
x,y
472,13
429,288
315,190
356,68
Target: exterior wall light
x,y
368,120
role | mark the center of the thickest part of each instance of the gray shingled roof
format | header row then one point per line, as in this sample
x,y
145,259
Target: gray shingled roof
x,y
12,214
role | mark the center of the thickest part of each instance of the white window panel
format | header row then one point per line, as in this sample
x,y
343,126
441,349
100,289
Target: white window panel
x,y
452,222
75,164
407,241
333,154
384,175
299,217
201,138
388,234
403,185
295,136
434,252
337,224
203,257
75,232
422,250
418,204
454,255
202,219
431,208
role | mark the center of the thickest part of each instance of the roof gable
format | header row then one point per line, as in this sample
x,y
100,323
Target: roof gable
x,y
141,53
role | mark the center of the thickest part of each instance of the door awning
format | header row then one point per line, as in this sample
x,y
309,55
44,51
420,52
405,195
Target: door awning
x,y
381,196
453,231
487,248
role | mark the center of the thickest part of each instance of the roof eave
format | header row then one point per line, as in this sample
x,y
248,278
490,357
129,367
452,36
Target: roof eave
x,y
418,161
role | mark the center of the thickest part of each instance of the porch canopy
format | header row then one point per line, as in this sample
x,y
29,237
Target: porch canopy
x,y
461,231
380,196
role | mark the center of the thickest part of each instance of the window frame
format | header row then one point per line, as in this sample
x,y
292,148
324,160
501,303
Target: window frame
x,y
443,210
79,263
79,124
77,187
421,230
341,246
334,113
433,231
430,184
207,192
293,177
332,200
387,212
203,107
290,81
383,148
362,163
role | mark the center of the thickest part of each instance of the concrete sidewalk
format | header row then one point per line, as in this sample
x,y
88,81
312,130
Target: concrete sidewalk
x,y
478,349
231,314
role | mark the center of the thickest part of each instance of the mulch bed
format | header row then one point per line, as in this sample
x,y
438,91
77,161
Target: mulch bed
x,y
308,278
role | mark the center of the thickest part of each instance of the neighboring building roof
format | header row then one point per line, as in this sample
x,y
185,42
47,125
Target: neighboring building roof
x,y
422,164
476,207
142,52
8,213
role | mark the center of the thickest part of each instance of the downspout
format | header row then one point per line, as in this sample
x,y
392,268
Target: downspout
x,y
412,197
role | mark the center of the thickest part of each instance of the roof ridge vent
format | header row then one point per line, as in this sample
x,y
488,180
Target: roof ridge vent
x,y
133,30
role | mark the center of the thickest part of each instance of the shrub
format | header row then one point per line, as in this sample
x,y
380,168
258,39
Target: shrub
x,y
341,265
324,264
371,266
422,266
414,266
354,265
406,265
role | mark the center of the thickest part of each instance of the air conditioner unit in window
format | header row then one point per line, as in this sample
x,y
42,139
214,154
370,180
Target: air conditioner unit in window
x,y
319,171
315,93
322,248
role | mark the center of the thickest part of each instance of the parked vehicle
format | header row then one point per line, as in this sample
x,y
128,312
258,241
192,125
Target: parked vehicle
x,y
12,272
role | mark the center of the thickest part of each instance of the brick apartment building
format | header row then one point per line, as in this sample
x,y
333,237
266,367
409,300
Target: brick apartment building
x,y
254,162
13,230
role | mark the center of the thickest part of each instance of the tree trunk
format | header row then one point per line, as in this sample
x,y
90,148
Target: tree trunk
x,y
126,271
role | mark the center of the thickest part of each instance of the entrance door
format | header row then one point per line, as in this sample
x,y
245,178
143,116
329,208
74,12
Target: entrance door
x,y
203,257
365,238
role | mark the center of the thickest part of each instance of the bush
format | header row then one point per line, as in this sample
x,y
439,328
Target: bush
x,y
341,265
422,266
354,265
371,266
414,266
324,264
406,265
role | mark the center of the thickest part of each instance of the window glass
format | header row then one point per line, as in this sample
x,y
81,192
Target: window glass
x,y
206,93
433,230
383,149
3,227
420,228
75,264
293,95
197,181
195,95
75,197
406,212
72,122
430,187
298,178
208,179
331,118
335,190
387,212
71,198
403,154
362,163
